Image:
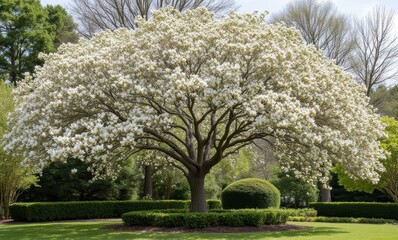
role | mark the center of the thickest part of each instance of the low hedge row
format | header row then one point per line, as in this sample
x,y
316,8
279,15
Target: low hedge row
x,y
238,218
341,220
302,212
357,209
50,211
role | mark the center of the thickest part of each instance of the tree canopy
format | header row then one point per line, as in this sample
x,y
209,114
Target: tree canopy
x,y
24,34
63,28
198,89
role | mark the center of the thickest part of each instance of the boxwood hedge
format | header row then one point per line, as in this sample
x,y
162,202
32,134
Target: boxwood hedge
x,y
357,209
50,211
233,218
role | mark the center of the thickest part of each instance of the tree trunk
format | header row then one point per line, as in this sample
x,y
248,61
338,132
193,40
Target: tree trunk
x,y
148,181
6,211
325,194
198,196
169,182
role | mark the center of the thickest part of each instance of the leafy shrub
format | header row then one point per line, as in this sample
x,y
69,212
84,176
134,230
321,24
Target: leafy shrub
x,y
71,181
357,209
341,220
50,211
302,212
214,204
232,218
295,192
250,193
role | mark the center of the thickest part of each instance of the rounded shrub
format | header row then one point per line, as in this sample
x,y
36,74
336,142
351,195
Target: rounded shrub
x,y
250,193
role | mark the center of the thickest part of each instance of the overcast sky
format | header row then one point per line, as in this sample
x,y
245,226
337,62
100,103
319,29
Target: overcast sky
x,y
354,7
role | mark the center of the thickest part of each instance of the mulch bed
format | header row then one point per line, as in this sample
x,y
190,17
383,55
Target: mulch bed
x,y
10,221
219,229
5,221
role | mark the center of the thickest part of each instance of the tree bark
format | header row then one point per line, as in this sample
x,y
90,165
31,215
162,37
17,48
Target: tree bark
x,y
198,195
325,194
148,181
167,193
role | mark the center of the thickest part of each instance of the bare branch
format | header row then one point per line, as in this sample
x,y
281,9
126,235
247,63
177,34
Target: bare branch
x,y
97,15
373,62
321,25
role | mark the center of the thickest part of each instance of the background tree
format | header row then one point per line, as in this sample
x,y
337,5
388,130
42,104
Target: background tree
x,y
97,15
376,53
63,27
264,163
320,24
71,181
295,192
197,89
14,177
385,99
25,33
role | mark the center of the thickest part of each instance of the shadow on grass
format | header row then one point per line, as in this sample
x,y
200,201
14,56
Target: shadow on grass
x,y
94,231
312,233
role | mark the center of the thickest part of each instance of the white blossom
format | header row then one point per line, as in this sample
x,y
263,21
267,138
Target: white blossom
x,y
95,100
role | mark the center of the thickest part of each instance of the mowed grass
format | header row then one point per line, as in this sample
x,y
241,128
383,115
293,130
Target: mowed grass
x,y
92,230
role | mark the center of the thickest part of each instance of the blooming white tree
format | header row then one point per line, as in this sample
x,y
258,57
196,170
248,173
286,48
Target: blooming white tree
x,y
197,89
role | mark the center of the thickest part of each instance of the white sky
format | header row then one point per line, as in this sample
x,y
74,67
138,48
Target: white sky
x,y
354,7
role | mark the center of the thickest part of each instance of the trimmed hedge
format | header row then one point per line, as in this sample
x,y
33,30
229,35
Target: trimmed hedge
x,y
302,212
250,193
50,211
213,204
341,220
357,209
201,220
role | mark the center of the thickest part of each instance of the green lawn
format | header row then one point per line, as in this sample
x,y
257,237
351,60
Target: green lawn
x,y
91,230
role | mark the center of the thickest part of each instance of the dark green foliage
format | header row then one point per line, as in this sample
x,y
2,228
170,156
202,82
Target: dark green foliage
x,y
341,194
62,25
50,211
58,183
295,192
250,193
169,183
341,220
24,33
28,29
357,209
214,204
238,218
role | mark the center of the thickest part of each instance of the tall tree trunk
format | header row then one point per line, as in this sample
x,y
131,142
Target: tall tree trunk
x,y
6,211
198,196
148,181
326,193
169,182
